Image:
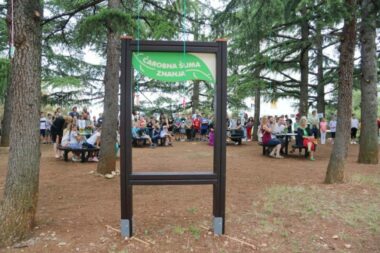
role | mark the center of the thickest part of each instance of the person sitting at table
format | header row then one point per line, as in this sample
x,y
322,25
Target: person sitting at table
x,y
155,133
165,134
268,140
305,138
72,140
93,142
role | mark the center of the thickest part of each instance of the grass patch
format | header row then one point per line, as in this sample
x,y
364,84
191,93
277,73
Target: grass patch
x,y
179,230
195,231
372,180
192,210
307,202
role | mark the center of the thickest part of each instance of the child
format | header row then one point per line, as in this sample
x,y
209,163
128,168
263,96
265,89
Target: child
x,y
73,140
43,127
323,130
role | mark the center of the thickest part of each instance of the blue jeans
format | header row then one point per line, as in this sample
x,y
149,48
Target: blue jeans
x,y
274,142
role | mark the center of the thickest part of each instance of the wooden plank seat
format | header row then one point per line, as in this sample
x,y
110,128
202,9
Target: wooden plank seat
x,y
138,142
301,148
83,151
266,148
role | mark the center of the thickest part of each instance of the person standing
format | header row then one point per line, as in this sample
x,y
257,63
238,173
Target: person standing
x,y
323,130
74,113
354,128
49,122
314,124
332,126
289,122
43,126
249,127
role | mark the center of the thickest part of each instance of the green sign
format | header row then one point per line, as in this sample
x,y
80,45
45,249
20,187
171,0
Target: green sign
x,y
173,67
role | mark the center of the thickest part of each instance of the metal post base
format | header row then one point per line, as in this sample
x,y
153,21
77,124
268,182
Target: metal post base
x,y
126,230
218,225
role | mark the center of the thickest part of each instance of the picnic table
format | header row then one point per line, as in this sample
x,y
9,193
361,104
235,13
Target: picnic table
x,y
83,151
286,136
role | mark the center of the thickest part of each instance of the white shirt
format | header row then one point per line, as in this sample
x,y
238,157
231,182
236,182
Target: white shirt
x,y
93,137
43,125
164,132
72,137
332,126
278,128
354,123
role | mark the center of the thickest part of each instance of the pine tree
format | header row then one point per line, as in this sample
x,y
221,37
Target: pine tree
x,y
18,208
335,169
369,149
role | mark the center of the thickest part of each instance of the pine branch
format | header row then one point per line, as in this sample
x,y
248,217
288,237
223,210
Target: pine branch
x,y
159,6
71,13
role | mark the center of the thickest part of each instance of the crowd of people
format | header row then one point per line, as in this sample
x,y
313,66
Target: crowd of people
x,y
166,129
75,130
309,131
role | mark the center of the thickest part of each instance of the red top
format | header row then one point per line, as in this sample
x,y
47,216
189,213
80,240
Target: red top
x,y
197,123
266,136
378,122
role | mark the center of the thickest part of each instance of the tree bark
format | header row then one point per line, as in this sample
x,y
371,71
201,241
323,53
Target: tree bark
x,y
321,84
369,149
335,169
256,123
195,97
18,208
107,161
304,67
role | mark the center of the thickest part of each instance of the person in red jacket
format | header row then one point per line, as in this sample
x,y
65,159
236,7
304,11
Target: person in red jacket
x,y
378,126
196,126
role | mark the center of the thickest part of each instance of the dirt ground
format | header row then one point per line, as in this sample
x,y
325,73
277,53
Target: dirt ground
x,y
272,205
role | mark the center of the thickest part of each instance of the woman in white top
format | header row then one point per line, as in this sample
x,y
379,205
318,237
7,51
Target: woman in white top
x,y
332,127
164,134
354,128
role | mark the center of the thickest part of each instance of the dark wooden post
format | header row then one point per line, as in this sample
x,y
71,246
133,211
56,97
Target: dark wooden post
x,y
126,137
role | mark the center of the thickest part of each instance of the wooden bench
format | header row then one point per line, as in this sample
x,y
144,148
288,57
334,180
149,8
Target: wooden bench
x,y
300,148
138,142
266,148
83,151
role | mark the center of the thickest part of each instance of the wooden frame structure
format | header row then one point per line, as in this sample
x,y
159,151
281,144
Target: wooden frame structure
x,y
216,176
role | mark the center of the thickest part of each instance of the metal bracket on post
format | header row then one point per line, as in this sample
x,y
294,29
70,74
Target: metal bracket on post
x,y
218,225
125,228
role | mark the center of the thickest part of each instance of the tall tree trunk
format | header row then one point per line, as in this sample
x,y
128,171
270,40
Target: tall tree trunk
x,y
107,161
196,85
6,122
195,97
335,169
18,209
304,67
321,84
256,123
369,149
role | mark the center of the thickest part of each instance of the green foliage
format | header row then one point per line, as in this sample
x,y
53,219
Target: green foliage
x,y
3,37
4,78
115,20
